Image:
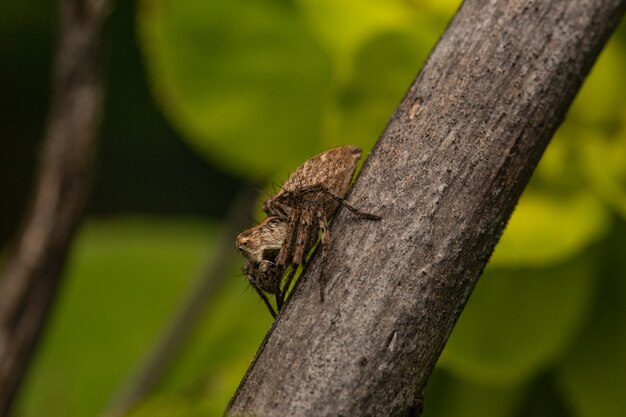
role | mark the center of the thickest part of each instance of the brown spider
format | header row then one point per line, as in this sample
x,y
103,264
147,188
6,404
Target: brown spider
x,y
306,202
296,215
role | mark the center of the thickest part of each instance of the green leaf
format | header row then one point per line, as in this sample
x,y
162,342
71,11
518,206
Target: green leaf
x,y
123,280
385,65
176,405
600,102
518,321
243,80
259,87
343,26
592,375
447,395
218,354
547,229
604,165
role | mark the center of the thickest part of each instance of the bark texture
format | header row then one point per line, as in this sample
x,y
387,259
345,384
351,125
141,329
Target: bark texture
x,y
445,176
35,265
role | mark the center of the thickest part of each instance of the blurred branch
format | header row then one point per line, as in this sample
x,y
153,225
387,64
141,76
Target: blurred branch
x,y
445,176
217,268
35,265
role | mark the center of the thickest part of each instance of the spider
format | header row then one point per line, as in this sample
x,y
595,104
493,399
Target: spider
x,y
297,214
306,202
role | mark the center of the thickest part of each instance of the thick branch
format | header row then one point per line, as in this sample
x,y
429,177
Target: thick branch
x,y
445,175
34,267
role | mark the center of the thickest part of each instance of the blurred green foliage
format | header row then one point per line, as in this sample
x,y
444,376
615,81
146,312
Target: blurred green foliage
x,y
256,87
115,265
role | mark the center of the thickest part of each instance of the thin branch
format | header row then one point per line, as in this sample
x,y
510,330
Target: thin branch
x,y
35,265
445,176
217,268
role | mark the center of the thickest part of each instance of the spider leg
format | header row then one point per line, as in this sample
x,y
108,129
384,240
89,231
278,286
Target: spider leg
x,y
319,188
324,241
262,277
306,227
311,223
278,293
265,300
347,205
279,301
285,255
307,211
253,282
301,244
355,210
286,250
290,277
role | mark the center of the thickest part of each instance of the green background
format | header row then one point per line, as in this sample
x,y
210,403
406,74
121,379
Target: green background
x,y
204,96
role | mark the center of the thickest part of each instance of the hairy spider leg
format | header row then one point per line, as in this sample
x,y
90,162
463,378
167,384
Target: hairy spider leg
x,y
286,250
307,229
293,250
306,225
266,301
260,292
304,231
290,276
283,260
303,227
324,240
301,193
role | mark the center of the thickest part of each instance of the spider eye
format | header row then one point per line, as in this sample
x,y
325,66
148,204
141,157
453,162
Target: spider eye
x,y
241,245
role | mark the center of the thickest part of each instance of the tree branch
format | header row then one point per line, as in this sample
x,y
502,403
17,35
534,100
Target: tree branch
x,y
445,175
34,267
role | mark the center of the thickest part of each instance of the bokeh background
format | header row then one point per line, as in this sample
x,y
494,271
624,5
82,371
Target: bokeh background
x,y
205,97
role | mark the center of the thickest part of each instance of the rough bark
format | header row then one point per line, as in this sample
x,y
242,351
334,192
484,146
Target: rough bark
x,y
34,266
445,175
